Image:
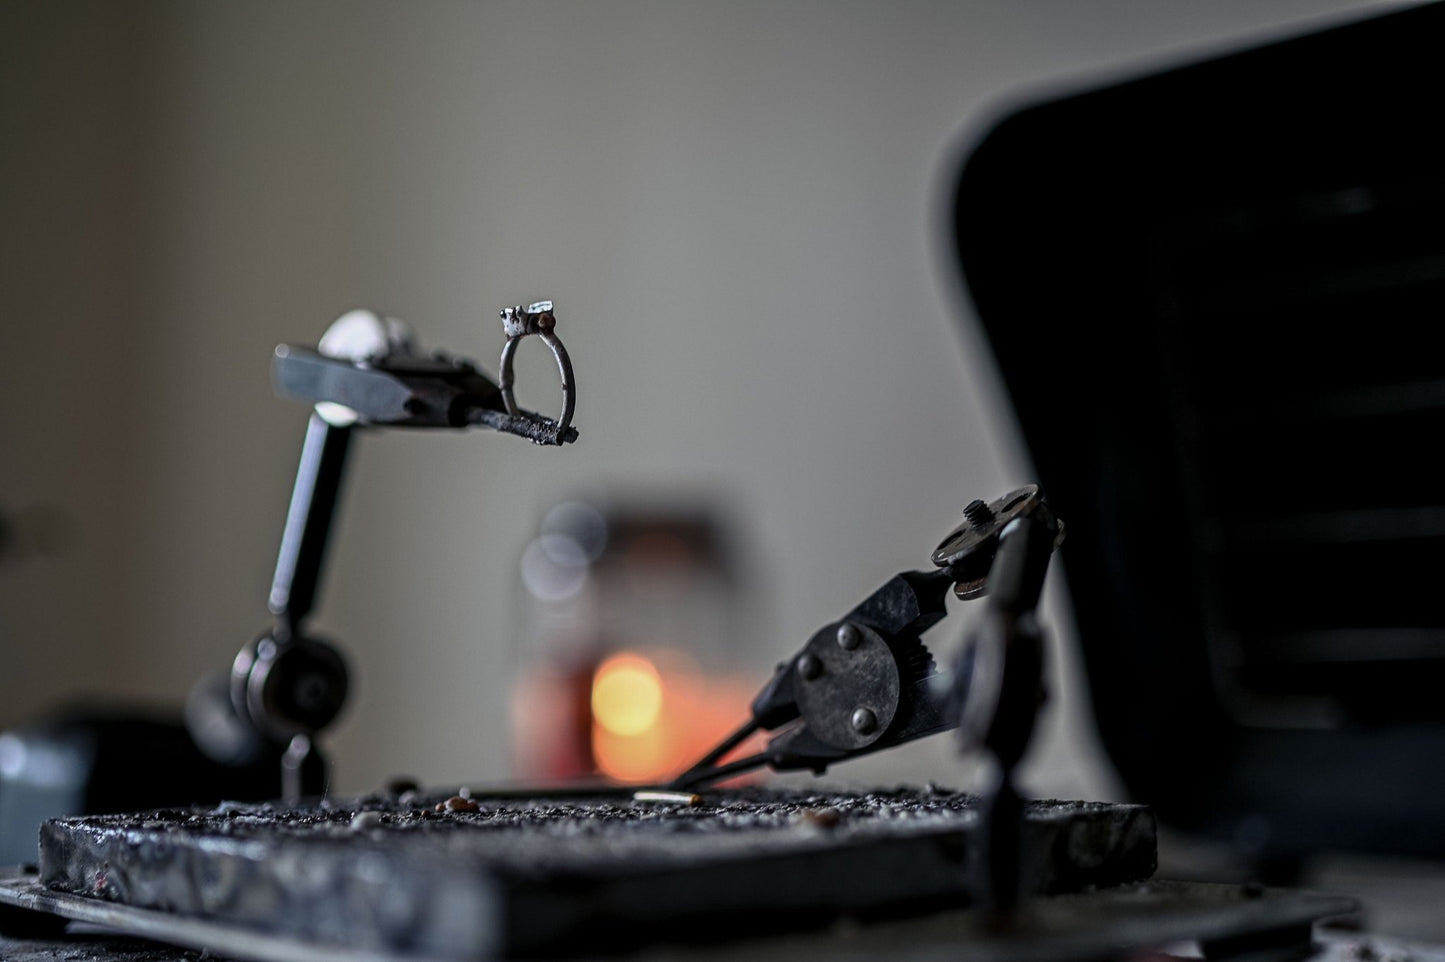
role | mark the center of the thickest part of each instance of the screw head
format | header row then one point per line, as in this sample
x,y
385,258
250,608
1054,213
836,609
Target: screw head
x,y
809,667
864,721
848,636
978,513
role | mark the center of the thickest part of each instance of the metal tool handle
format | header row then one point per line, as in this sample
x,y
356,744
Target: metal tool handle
x,y
284,683
308,522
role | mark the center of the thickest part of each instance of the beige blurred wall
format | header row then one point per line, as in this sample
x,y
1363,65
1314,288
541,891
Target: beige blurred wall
x,y
737,206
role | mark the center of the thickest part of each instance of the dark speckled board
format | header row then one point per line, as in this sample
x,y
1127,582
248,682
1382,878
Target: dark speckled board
x,y
525,876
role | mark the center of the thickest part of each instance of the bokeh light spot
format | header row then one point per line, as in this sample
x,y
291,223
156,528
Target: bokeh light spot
x,y
626,694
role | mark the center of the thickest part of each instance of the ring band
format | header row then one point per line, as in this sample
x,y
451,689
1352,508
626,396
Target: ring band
x,y
538,319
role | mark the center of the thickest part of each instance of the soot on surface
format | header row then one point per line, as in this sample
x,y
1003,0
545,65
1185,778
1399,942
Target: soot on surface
x,y
457,872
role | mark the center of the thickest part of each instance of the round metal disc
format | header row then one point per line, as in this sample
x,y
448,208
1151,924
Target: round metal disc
x,y
970,589
969,537
863,678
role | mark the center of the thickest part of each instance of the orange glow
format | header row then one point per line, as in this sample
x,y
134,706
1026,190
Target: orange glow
x,y
626,695
651,717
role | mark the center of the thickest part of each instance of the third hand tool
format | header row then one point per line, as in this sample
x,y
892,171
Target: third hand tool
x,y
867,681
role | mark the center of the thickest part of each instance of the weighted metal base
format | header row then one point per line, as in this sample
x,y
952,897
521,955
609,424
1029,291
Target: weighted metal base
x,y
392,875
1236,926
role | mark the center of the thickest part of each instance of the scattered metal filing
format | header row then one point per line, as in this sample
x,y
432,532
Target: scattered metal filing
x,y
457,803
551,875
667,798
364,820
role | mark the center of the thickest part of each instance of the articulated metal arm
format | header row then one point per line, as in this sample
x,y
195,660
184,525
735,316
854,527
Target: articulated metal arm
x,y
286,684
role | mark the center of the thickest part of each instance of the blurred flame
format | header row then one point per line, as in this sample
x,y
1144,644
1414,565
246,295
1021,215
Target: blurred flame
x,y
626,694
651,718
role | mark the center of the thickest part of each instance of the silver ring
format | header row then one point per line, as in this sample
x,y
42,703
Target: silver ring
x,y
519,322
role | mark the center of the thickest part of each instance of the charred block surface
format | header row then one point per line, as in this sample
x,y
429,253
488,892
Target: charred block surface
x,y
543,875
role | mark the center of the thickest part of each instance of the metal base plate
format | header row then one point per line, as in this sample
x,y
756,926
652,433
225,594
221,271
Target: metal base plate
x,y
548,875
1269,925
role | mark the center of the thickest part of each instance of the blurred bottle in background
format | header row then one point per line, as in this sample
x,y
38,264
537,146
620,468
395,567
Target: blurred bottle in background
x,y
638,647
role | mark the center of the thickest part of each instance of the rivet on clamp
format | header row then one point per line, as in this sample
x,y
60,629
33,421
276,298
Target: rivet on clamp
x,y
538,319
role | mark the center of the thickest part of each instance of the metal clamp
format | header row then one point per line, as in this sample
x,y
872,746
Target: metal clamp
x,y
969,549
538,319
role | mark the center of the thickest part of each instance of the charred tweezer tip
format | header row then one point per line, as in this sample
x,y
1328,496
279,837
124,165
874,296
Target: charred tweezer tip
x,y
706,765
700,775
533,427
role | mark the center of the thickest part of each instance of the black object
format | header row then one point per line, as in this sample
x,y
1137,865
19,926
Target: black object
x,y
999,685
1213,294
512,876
867,682
1232,924
115,760
409,391
248,736
288,685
